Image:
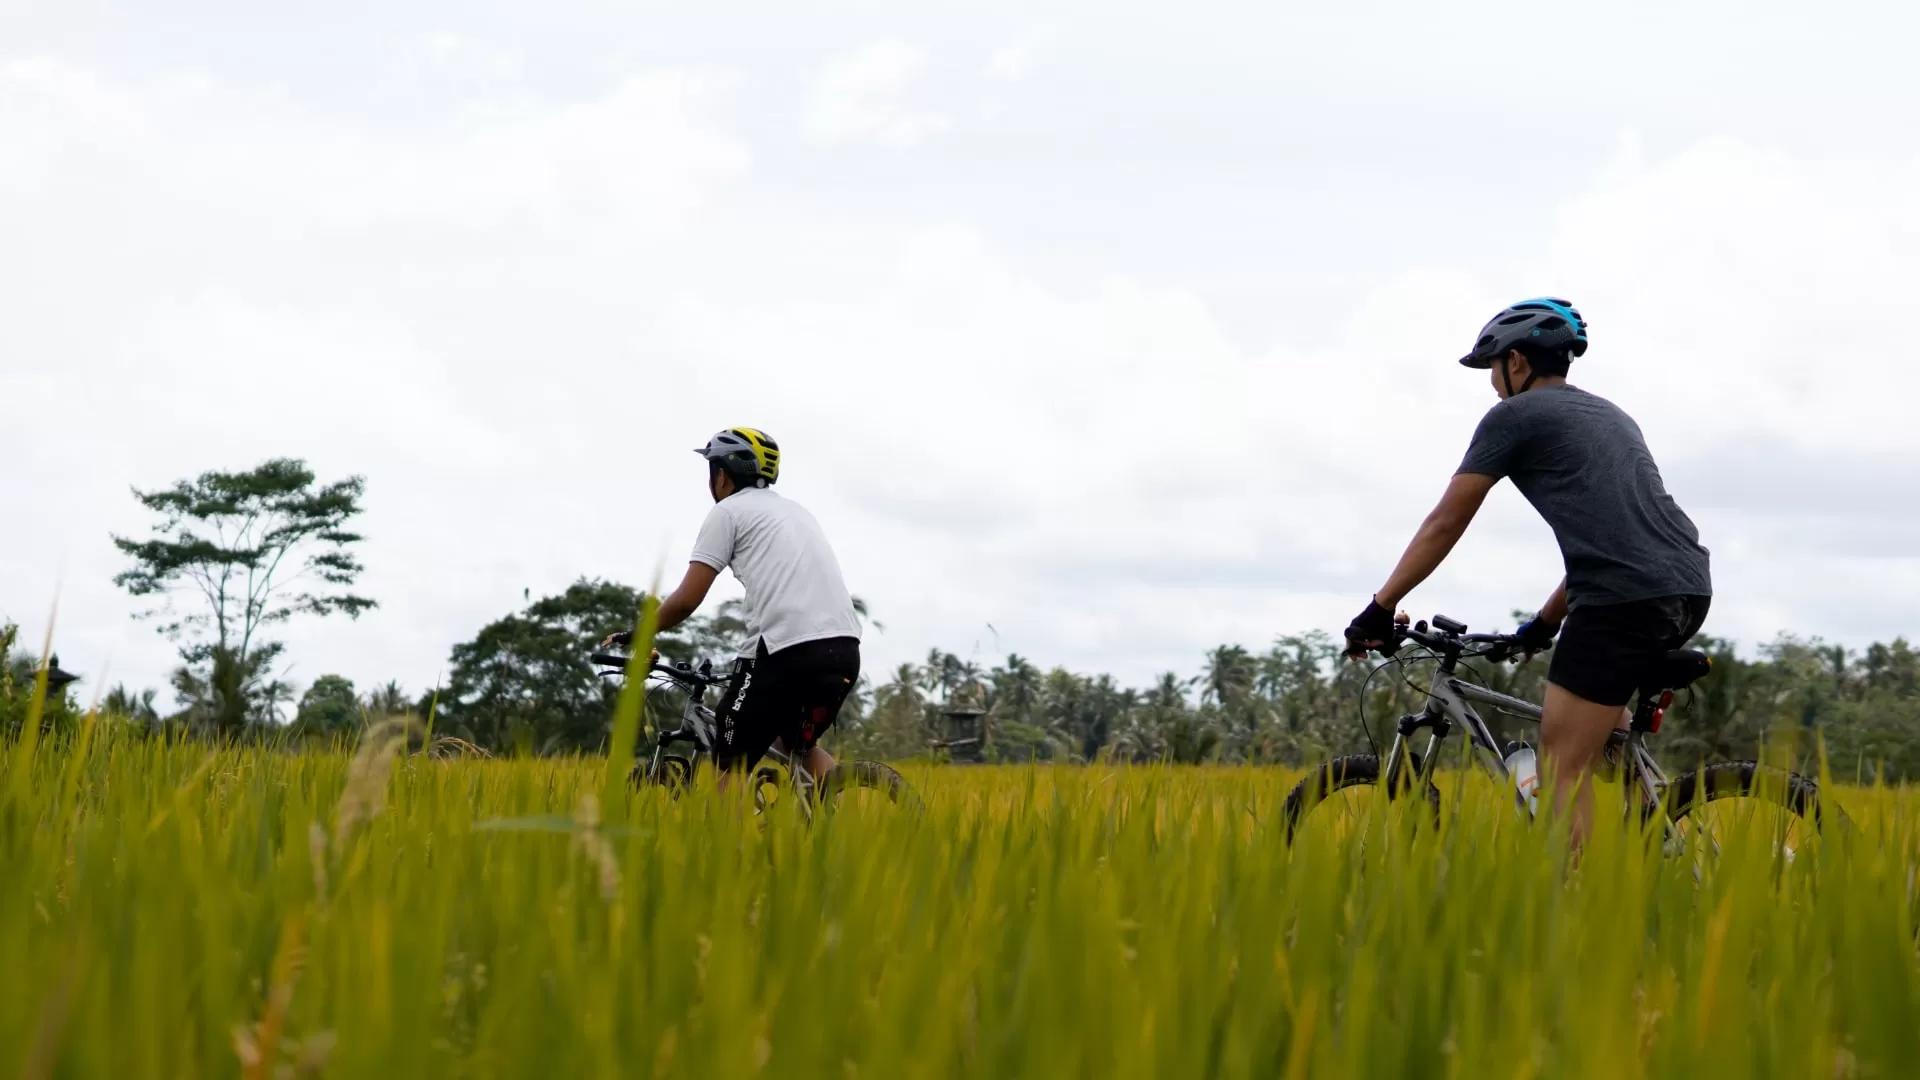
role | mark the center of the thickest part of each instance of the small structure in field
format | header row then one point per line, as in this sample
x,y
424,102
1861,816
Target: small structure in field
x,y
964,734
58,680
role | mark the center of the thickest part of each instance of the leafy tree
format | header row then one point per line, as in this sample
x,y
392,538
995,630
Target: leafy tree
x,y
716,637
329,707
525,683
250,550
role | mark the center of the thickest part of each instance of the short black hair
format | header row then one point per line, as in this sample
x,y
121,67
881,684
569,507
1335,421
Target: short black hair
x,y
740,483
1547,363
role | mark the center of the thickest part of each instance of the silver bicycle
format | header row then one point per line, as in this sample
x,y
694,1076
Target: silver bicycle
x,y
671,761
1791,801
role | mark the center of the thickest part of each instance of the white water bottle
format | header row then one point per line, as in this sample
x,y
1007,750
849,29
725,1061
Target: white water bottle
x,y
1525,771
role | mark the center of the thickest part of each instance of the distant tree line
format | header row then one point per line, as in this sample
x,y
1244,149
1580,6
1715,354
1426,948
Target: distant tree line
x,y
1300,701
248,551
523,685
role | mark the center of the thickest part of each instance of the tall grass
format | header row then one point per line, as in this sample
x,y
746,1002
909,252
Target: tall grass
x,y
175,910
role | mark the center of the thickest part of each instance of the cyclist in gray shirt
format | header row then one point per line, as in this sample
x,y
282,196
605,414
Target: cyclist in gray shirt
x,y
1636,582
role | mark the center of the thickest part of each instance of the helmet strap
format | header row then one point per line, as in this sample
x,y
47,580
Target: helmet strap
x,y
1506,377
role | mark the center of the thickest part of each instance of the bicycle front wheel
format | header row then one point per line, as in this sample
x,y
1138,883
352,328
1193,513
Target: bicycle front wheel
x,y
672,772
1343,792
1744,802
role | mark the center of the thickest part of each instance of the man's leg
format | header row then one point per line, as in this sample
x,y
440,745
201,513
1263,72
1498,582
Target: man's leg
x,y
819,761
836,667
746,720
816,760
1573,733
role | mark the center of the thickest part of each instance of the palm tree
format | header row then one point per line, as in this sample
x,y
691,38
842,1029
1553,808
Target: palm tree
x,y
932,671
967,683
135,706
1016,689
905,686
388,700
899,719
1229,676
1169,693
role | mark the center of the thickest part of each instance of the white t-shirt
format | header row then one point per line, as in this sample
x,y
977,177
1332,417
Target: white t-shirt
x,y
775,547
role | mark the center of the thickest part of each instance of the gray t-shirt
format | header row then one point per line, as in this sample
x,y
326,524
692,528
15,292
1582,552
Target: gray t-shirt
x,y
1584,465
794,589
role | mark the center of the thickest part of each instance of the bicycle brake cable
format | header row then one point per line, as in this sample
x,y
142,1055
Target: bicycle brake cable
x,y
1392,661
1364,729
1422,657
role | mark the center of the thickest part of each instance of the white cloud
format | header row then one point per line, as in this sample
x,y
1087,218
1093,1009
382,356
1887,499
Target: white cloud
x,y
861,97
1013,61
463,56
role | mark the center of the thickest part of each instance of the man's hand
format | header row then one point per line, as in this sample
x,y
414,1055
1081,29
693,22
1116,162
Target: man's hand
x,y
1372,629
621,640
1536,636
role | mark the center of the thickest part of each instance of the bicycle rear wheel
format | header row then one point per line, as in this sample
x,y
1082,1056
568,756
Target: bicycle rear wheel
x,y
849,782
1732,802
1345,790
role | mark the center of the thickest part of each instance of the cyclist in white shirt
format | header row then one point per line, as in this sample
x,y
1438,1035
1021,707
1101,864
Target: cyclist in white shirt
x,y
802,653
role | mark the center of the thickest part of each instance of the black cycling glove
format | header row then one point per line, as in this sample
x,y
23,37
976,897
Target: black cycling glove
x,y
1536,635
1371,629
623,639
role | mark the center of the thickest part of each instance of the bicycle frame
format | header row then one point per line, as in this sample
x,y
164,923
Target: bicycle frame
x,y
699,725
1450,702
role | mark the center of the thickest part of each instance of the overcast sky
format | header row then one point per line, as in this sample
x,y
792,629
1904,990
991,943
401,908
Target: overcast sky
x,y
1099,334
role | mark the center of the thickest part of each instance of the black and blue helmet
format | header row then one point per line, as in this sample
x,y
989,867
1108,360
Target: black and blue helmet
x,y
1543,324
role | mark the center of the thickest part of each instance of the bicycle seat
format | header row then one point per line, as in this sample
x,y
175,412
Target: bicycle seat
x,y
1679,669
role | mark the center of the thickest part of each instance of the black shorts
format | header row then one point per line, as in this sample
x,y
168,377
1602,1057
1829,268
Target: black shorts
x,y
792,695
1607,652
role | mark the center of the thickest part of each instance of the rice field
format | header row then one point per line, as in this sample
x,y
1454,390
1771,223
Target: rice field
x,y
172,910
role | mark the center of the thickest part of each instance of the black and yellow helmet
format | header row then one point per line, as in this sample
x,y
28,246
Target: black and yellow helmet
x,y
748,455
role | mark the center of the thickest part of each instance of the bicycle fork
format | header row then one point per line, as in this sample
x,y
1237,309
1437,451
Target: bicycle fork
x,y
1438,723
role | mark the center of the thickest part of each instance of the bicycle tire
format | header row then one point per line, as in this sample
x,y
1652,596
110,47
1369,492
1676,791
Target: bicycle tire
x,y
673,773
1744,780
875,775
1339,774
764,779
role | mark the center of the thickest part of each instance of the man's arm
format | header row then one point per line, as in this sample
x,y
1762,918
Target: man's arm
x,y
1554,611
680,604
1442,529
1537,634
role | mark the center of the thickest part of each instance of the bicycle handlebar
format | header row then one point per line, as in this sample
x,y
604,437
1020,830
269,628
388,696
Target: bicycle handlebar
x,y
1442,639
680,672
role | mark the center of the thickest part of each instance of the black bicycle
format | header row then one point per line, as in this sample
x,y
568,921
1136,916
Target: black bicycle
x,y
666,768
1786,802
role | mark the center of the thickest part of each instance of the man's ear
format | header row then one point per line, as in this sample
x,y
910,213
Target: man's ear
x,y
1518,366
